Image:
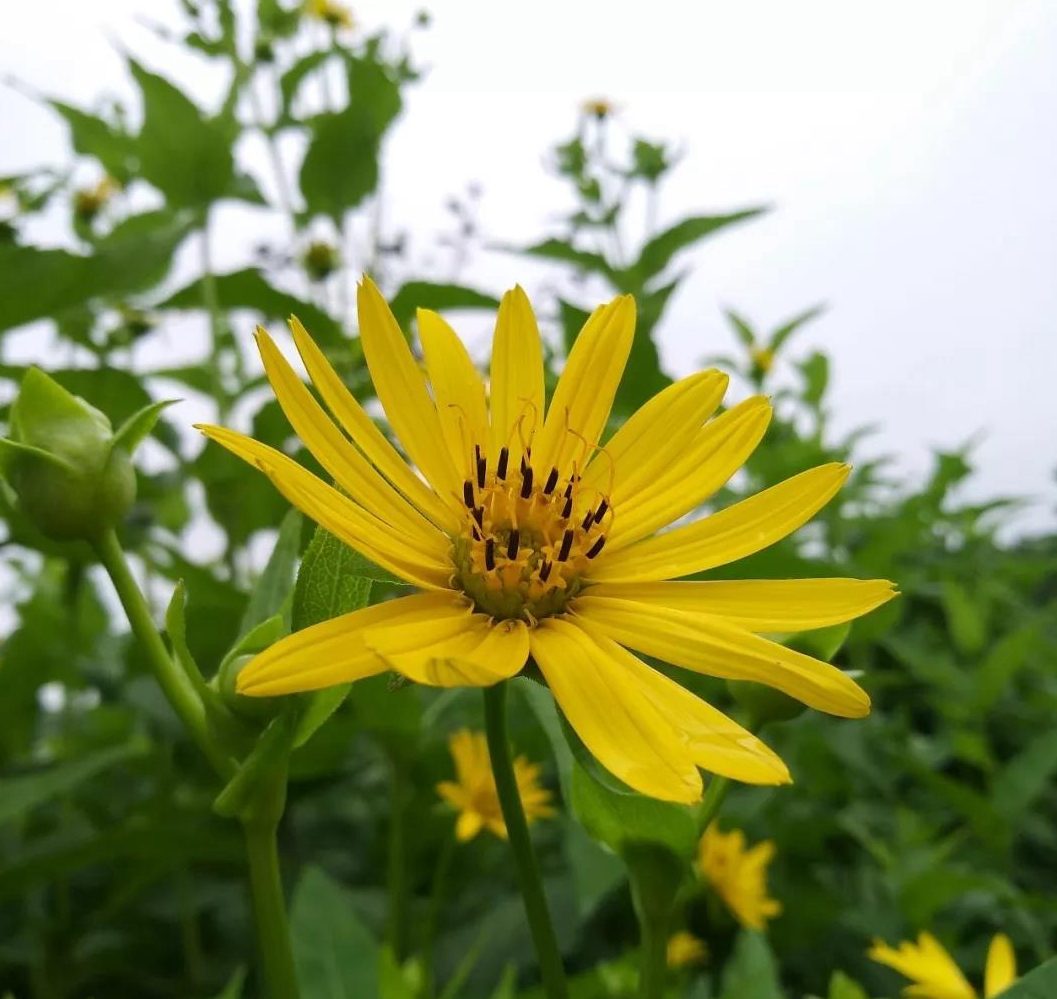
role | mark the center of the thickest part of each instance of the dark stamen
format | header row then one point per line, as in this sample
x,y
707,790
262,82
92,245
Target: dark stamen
x,y
526,484
567,544
568,508
569,489
476,533
512,543
552,481
482,466
478,515
489,554
589,519
601,511
504,457
545,571
467,493
596,547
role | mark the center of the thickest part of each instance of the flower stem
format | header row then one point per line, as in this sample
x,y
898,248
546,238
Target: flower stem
x,y
528,873
176,685
654,959
436,897
266,888
712,802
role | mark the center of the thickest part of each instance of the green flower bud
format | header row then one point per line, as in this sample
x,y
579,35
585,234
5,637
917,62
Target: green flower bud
x,y
72,473
257,709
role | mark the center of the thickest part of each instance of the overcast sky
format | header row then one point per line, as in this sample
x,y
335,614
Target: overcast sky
x,y
909,152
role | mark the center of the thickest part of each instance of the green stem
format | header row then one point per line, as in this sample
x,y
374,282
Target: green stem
x,y
266,888
654,958
436,896
712,802
396,876
178,689
528,873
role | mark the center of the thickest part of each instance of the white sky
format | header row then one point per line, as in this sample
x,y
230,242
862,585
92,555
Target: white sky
x,y
909,150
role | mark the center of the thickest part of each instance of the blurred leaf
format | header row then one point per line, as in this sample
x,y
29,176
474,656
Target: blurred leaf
x,y
233,989
336,955
1025,777
20,795
249,289
187,156
340,167
815,371
292,78
787,329
92,136
38,283
966,617
1041,983
741,327
429,295
843,987
273,588
751,972
563,252
659,251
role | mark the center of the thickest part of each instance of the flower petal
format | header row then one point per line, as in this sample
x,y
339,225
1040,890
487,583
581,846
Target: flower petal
x,y
715,742
621,728
334,452
478,654
655,436
338,514
1001,969
710,646
927,964
516,391
365,433
718,450
761,605
402,391
333,651
742,529
586,388
457,390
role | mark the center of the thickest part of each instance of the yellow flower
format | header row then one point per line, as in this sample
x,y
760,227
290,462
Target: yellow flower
x,y
685,949
935,975
600,107
526,538
737,875
335,14
474,793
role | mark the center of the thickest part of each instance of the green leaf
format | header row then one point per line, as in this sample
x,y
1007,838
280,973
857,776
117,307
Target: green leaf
x,y
20,795
786,330
742,329
340,167
1038,984
249,289
1025,777
751,971
430,295
843,987
233,989
292,78
336,955
92,136
136,428
659,251
621,821
563,252
273,587
966,617
187,156
36,283
815,371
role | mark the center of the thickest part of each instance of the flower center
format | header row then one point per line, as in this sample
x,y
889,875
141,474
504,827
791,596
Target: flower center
x,y
527,542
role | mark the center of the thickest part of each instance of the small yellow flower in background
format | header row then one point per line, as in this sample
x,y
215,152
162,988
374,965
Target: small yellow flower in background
x,y
90,201
334,14
600,107
738,875
474,793
685,949
762,359
525,537
935,975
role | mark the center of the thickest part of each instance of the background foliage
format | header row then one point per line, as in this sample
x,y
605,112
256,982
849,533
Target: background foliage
x,y
117,876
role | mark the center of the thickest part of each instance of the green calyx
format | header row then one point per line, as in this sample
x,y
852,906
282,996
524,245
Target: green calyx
x,y
71,471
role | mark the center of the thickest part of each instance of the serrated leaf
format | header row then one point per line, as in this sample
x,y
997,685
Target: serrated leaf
x,y
91,135
564,252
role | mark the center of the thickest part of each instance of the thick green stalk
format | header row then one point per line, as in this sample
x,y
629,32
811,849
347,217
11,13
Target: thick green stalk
x,y
654,958
175,684
259,826
547,953
712,802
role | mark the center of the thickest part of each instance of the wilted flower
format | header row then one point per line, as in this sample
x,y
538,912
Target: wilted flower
x,y
737,875
527,538
474,793
934,975
685,949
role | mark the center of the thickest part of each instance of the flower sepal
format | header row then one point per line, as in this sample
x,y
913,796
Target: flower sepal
x,y
72,473
252,709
